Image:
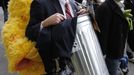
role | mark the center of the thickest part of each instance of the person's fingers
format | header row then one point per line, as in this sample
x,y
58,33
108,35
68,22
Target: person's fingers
x,y
82,11
61,16
79,12
58,20
53,20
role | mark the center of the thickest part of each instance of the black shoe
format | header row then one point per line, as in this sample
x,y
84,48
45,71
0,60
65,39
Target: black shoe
x,y
131,60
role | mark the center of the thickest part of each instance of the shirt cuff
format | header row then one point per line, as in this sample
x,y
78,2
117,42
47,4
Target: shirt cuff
x,y
41,26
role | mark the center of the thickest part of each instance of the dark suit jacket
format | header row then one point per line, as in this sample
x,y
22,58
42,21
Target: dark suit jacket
x,y
54,41
114,28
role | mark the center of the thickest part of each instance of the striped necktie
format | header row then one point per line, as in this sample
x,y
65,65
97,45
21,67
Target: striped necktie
x,y
67,10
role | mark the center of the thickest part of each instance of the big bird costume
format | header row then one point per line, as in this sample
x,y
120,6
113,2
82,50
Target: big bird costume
x,y
21,53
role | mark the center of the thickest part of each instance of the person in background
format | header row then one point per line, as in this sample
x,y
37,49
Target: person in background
x,y
52,26
114,30
4,5
129,4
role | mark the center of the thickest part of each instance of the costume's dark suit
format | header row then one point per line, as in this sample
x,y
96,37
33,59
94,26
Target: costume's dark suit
x,y
129,4
114,28
54,41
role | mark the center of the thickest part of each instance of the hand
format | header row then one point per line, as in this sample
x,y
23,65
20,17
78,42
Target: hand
x,y
82,11
53,20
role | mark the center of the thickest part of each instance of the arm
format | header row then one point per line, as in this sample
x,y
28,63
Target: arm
x,y
39,20
36,16
103,18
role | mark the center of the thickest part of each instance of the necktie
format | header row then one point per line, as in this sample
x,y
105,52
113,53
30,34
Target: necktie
x,y
67,10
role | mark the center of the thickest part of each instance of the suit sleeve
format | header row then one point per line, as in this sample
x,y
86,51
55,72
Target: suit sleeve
x,y
103,19
36,16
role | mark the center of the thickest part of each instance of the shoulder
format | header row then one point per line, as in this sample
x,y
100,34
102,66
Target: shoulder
x,y
103,11
103,8
41,2
104,5
38,3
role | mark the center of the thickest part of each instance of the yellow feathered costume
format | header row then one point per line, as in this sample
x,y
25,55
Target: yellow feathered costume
x,y
21,53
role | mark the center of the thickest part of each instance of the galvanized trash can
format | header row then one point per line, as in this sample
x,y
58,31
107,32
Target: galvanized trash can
x,y
87,57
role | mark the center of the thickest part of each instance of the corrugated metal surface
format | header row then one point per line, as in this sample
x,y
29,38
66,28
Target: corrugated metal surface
x,y
88,60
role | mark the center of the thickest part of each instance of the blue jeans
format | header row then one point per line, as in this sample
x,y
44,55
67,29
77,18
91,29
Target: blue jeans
x,y
113,66
124,62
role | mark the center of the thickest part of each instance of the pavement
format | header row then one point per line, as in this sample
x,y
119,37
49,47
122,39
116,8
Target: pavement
x,y
3,60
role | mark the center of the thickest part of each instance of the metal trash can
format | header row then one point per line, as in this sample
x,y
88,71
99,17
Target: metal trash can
x,y
87,57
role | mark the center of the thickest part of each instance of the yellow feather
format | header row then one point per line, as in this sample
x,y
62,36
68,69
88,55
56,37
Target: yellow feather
x,y
17,46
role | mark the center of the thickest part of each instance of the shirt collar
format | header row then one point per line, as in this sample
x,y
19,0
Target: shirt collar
x,y
120,4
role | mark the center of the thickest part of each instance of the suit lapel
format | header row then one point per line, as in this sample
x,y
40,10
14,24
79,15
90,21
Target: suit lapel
x,y
116,8
74,7
57,6
132,1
